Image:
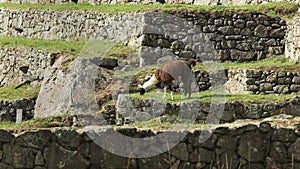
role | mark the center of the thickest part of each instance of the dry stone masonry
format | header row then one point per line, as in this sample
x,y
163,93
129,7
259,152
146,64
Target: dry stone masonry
x,y
241,36
69,25
262,81
23,65
244,146
8,109
234,36
130,109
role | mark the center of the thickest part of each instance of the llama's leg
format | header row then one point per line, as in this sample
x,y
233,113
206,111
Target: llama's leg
x,y
172,97
165,92
187,90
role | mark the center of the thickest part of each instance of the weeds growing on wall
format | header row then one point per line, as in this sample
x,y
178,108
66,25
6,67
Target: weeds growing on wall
x,y
272,8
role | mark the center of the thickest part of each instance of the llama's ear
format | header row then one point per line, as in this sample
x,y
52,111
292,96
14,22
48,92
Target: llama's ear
x,y
193,61
142,91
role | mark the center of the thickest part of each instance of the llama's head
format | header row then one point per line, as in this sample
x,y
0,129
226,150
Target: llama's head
x,y
142,91
148,84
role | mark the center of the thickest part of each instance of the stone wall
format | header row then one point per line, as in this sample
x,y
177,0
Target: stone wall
x,y
195,2
130,109
243,37
8,109
235,36
23,64
209,36
262,81
244,146
69,25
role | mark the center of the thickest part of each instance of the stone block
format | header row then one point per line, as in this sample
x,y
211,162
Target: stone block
x,y
38,139
293,151
23,158
180,152
283,89
253,147
284,135
266,87
295,88
261,31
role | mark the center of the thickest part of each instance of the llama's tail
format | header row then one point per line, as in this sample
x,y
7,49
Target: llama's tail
x,y
150,83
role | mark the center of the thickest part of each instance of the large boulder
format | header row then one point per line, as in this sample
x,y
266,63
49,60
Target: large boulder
x,y
72,86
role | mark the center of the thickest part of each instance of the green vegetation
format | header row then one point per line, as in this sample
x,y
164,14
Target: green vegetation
x,y
277,62
151,124
11,93
273,62
272,9
120,51
5,125
65,120
105,48
76,48
216,96
72,47
206,96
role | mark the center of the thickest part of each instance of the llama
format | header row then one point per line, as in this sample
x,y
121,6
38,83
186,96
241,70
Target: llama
x,y
168,72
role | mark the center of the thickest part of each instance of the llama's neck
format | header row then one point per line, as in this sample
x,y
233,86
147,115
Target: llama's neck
x,y
150,83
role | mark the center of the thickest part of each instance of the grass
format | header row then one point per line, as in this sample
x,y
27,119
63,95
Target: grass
x,y
72,47
120,52
273,62
272,9
209,96
105,48
41,122
206,96
6,125
270,62
25,91
77,48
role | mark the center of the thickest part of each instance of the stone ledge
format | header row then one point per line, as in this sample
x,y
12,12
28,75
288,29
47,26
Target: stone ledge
x,y
260,143
262,81
130,109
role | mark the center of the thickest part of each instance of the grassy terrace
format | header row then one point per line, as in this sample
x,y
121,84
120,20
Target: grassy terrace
x,y
273,62
272,9
73,47
119,51
216,96
11,93
154,125
37,123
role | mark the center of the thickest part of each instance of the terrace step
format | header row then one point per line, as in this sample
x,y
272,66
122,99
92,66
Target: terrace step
x,y
133,109
258,81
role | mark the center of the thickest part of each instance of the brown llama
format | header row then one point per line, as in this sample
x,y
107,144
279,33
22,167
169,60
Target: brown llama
x,y
170,71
